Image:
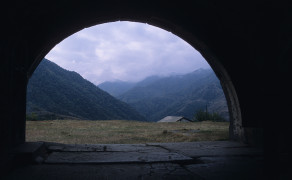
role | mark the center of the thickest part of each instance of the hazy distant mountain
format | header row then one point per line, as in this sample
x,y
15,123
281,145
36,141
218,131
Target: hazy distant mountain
x,y
177,95
56,92
118,88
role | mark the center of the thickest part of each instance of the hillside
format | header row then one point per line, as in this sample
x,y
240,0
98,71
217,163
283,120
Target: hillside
x,y
177,95
118,88
58,93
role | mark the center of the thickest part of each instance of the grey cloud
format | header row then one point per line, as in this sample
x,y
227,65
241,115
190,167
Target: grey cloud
x,y
125,51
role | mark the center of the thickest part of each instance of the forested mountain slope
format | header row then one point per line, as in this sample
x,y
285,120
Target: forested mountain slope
x,y
55,92
181,95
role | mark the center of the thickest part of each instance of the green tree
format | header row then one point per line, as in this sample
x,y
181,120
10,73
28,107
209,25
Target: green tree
x,y
202,115
32,117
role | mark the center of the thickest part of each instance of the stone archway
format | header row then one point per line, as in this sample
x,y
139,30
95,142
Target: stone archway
x,y
41,29
236,132
241,48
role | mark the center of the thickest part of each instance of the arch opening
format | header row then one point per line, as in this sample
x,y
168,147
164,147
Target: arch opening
x,y
230,94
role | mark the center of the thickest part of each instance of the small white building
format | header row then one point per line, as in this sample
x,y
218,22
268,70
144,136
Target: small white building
x,y
175,119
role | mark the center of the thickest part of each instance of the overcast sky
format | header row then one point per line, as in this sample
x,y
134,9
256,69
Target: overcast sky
x,y
125,51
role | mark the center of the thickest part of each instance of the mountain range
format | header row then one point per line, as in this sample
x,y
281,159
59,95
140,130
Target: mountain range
x,y
178,95
56,93
53,92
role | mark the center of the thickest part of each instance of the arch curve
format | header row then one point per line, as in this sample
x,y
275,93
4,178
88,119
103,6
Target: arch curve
x,y
235,129
228,38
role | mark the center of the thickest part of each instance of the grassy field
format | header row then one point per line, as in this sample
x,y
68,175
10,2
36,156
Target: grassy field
x,y
124,132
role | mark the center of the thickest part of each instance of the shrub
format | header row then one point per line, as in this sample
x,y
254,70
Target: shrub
x,y
202,115
31,117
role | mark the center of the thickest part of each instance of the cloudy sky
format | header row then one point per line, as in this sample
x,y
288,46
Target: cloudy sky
x,y
125,51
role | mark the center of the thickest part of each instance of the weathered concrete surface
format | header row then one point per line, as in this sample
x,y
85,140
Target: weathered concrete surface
x,y
102,147
194,160
158,171
232,167
113,157
207,149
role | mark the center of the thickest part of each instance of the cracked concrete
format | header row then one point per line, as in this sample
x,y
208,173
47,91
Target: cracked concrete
x,y
194,160
112,157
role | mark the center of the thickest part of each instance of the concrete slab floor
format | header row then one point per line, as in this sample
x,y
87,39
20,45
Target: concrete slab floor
x,y
194,160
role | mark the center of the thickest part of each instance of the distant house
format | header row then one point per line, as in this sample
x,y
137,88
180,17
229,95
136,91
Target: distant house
x,y
175,119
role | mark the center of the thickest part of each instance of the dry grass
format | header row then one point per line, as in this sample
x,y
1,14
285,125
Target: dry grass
x,y
124,132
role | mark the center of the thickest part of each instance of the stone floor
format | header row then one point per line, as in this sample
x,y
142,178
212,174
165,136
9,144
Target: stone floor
x,y
191,160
